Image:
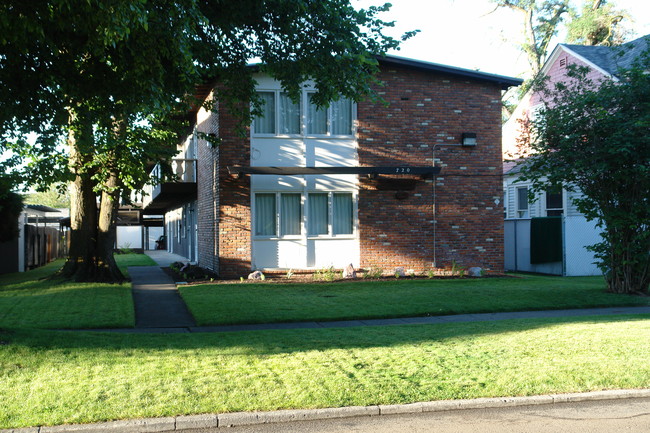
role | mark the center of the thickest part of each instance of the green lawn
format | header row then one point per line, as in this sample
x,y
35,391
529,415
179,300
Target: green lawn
x,y
51,377
217,304
27,300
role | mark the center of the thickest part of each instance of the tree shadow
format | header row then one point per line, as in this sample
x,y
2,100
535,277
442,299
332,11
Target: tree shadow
x,y
271,342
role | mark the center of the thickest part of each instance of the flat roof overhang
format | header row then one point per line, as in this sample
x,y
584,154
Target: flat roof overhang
x,y
424,172
172,195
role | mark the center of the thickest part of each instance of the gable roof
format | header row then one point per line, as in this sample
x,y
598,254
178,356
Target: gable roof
x,y
502,80
612,59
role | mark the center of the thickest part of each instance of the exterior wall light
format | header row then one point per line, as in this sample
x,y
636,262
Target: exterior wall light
x,y
468,139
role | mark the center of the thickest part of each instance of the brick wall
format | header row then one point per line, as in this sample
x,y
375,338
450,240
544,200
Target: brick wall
x,y
234,202
207,187
426,115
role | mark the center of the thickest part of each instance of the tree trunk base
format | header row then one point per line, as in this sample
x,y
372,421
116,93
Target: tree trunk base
x,y
83,271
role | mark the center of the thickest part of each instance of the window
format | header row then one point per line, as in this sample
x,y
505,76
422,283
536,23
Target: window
x,y
290,214
342,214
318,222
554,202
289,115
341,117
522,202
265,124
281,116
333,120
287,118
328,214
316,118
265,215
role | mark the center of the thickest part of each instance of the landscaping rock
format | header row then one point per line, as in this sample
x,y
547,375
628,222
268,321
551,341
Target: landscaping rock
x,y
475,272
349,272
257,275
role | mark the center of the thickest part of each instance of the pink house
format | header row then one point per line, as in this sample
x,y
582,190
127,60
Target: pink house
x,y
603,63
560,248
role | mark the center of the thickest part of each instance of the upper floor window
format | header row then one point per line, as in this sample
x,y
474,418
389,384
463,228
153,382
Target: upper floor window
x,y
554,202
281,116
522,202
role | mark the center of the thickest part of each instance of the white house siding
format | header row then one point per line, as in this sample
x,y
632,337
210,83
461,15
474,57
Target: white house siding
x,y
577,232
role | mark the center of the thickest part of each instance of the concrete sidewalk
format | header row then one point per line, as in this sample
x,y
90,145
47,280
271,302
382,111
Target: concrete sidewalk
x,y
384,322
164,258
158,305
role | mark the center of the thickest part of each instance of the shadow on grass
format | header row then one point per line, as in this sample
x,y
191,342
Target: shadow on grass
x,y
260,343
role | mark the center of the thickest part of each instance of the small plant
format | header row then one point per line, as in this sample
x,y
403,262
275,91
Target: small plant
x,y
289,274
327,274
397,275
241,279
126,249
431,273
373,273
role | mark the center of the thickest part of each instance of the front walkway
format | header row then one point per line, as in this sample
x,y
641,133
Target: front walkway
x,y
158,305
164,258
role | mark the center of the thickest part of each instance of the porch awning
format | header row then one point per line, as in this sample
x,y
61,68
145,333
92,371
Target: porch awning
x,y
424,172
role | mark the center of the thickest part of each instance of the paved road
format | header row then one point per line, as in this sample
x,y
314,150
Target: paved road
x,y
605,416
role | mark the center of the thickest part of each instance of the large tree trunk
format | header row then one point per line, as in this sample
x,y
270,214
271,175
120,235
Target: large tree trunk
x,y
107,269
81,264
92,237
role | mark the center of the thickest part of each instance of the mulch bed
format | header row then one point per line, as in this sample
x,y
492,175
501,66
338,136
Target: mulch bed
x,y
197,275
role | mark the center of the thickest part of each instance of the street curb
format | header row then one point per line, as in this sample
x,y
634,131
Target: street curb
x,y
235,419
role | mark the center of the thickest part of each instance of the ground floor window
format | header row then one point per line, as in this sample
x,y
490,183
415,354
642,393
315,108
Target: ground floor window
x,y
324,214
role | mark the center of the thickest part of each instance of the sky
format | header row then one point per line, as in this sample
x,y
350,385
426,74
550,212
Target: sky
x,y
464,33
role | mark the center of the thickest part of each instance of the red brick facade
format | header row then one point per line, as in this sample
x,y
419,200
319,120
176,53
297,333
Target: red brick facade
x,y
412,223
457,219
207,189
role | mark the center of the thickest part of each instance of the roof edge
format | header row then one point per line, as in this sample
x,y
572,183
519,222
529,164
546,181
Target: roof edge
x,y
504,81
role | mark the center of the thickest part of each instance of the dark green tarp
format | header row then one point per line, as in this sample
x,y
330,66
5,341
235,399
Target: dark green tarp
x,y
545,240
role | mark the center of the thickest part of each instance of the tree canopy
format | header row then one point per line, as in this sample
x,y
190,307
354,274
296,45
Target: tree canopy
x,y
110,77
592,137
598,23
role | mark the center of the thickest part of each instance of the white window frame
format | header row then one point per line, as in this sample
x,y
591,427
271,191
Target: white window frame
x,y
554,209
353,115
330,216
304,212
304,109
521,213
278,209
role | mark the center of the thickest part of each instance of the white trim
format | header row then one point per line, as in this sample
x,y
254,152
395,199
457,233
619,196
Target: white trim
x,y
556,53
304,105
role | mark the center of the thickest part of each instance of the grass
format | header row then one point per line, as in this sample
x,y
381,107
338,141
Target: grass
x,y
217,304
54,377
28,300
